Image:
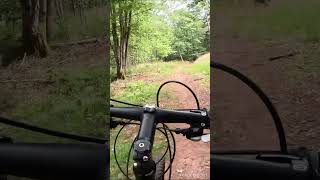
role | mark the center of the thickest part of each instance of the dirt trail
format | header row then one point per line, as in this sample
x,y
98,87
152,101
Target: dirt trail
x,y
240,119
192,159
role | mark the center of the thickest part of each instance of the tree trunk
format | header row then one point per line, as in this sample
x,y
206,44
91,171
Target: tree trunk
x,y
43,18
59,8
127,39
121,34
108,9
50,18
115,45
181,57
34,27
74,7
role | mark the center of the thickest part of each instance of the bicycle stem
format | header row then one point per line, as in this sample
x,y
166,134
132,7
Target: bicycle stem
x,y
144,167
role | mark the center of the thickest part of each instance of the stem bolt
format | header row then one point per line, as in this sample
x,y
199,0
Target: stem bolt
x,y
135,164
145,158
141,145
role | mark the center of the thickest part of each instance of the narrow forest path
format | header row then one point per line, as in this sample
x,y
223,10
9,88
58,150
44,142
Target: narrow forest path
x,y
192,159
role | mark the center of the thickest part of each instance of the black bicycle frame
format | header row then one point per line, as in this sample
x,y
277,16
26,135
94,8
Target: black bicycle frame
x,y
144,167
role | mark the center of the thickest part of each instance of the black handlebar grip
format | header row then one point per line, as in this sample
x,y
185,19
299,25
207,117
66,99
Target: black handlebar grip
x,y
226,167
55,161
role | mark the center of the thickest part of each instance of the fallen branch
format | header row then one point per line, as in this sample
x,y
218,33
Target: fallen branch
x,y
138,74
283,56
258,64
198,79
81,42
28,81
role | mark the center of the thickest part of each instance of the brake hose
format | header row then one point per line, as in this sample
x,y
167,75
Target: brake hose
x,y
263,97
177,82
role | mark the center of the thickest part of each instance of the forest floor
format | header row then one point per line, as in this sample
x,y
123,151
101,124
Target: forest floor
x,y
241,121
192,159
56,92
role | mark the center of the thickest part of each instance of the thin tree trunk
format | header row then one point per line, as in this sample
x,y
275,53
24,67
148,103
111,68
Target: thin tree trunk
x,y
34,27
127,38
61,3
74,7
116,46
108,32
50,18
181,57
59,8
43,18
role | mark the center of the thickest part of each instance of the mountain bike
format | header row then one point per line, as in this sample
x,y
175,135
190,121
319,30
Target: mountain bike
x,y
87,160
151,119
293,164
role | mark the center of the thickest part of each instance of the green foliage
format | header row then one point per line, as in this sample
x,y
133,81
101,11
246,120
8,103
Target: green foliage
x,y
160,31
9,10
189,32
78,104
154,68
151,40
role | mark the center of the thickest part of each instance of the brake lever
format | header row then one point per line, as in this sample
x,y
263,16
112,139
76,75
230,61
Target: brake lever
x,y
114,124
192,133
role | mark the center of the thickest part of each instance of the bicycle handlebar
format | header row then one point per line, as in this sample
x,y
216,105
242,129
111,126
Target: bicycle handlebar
x,y
162,115
55,161
229,167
